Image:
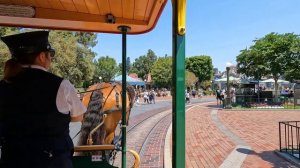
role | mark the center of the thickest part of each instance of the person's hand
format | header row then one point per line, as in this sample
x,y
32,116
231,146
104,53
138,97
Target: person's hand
x,y
77,118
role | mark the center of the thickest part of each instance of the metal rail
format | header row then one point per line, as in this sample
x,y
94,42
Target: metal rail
x,y
289,138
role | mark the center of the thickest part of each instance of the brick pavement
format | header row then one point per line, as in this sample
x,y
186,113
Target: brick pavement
x,y
208,146
260,130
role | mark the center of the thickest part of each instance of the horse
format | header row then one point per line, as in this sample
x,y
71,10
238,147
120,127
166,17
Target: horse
x,y
100,99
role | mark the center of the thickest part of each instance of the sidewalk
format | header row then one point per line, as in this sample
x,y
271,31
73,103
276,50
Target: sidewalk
x,y
214,137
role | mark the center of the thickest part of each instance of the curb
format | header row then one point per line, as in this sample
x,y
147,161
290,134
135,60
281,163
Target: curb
x,y
167,149
288,157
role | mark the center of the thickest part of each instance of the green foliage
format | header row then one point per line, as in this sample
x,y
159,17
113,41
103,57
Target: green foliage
x,y
207,92
162,72
190,79
143,65
5,55
4,31
275,54
4,51
275,51
201,66
74,57
206,84
107,68
128,65
249,63
85,64
87,39
64,62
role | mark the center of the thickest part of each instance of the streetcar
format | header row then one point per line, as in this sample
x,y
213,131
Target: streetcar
x,y
124,17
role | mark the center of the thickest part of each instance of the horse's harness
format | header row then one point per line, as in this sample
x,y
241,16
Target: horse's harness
x,y
109,111
117,95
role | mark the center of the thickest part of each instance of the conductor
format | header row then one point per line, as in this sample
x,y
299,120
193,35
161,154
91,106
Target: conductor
x,y
36,106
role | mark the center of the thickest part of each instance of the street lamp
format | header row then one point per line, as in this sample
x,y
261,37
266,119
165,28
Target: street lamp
x,y
228,98
145,84
100,79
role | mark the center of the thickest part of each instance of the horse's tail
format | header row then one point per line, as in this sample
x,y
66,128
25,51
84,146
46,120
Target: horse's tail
x,y
92,118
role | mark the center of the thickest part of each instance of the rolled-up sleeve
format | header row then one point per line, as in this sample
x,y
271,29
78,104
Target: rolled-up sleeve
x,y
68,101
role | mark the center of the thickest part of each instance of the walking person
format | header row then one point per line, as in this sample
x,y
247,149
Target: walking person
x,y
146,97
187,97
36,106
218,96
152,93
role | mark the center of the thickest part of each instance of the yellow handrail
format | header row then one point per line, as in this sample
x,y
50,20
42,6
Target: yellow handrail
x,y
85,148
90,139
137,160
181,16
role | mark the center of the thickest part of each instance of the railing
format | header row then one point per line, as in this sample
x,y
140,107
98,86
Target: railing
x,y
249,101
289,138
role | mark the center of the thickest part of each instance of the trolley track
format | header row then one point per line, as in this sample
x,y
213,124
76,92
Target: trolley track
x,y
148,132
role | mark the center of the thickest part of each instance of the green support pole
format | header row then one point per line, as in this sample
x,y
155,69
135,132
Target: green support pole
x,y
178,98
124,30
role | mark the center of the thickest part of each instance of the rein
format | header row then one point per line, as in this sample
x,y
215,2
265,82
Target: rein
x,y
93,90
103,104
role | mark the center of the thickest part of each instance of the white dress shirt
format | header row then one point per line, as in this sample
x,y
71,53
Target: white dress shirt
x,y
68,101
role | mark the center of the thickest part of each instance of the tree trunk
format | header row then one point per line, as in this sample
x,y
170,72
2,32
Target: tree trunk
x,y
276,88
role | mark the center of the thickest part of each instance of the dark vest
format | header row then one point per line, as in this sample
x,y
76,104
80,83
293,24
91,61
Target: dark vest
x,y
29,114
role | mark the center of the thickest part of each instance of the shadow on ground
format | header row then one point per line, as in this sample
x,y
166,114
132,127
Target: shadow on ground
x,y
214,106
268,156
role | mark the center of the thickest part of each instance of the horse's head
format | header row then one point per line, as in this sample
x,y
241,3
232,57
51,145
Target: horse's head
x,y
104,98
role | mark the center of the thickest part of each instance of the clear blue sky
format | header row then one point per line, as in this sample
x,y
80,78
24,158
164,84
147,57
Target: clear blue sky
x,y
218,28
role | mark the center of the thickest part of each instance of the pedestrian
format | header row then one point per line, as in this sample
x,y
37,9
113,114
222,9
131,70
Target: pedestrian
x,y
187,97
218,96
152,93
194,93
36,106
137,96
146,97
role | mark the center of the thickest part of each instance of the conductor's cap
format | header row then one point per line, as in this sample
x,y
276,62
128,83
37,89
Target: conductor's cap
x,y
27,43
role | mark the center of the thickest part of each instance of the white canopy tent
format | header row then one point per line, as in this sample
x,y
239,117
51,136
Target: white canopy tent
x,y
273,81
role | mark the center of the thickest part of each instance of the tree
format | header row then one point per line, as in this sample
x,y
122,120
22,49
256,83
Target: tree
x,y
293,64
107,68
87,39
249,63
5,54
143,65
128,65
206,84
64,63
190,79
85,56
84,62
73,58
201,66
275,54
162,72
